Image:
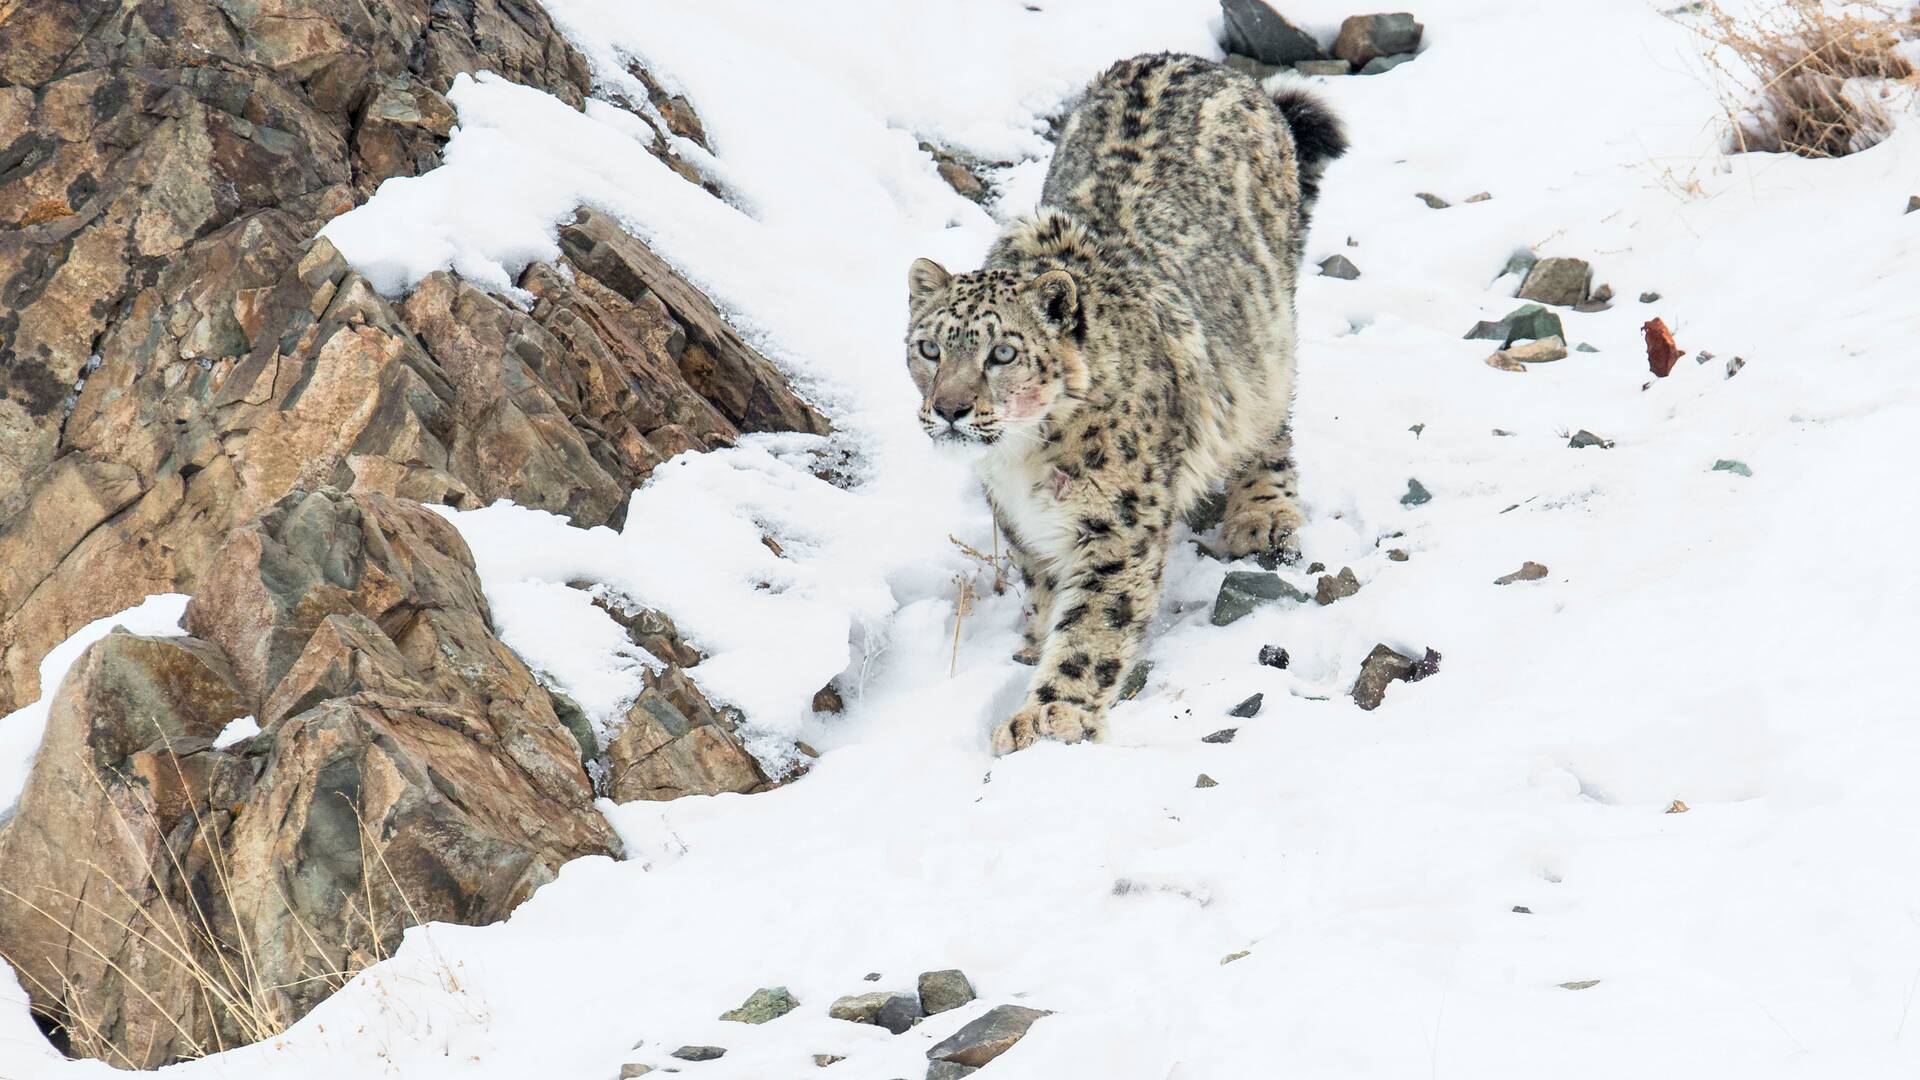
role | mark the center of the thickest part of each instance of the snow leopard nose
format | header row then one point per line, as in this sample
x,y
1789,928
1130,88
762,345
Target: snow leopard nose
x,y
952,409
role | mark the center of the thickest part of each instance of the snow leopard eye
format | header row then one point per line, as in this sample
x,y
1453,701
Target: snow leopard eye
x,y
1002,354
929,350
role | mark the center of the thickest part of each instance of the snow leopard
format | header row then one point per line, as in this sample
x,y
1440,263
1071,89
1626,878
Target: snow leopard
x,y
1124,350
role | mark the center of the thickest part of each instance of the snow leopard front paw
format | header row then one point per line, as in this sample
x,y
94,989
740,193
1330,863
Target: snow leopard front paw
x,y
1055,720
1263,529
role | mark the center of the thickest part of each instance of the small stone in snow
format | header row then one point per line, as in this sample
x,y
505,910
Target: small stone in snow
x,y
1519,909
1584,347
629,1071
1243,590
1500,361
1255,29
1428,664
1247,708
872,976
1562,282
1481,197
1737,468
1224,735
1913,203
1397,554
949,1070
1339,266
1364,38
1205,781
1380,65
767,1003
895,1010
1274,656
1734,365
1232,956
700,1053
1502,432
1649,297
1381,667
1136,680
991,1034
1417,494
1323,67
1677,807
1316,567
1417,429
1529,571
1580,984
1432,200
945,989
1584,438
1541,351
1603,294
1336,586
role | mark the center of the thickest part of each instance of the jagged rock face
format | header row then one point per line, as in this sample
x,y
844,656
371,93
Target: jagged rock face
x,y
409,769
177,352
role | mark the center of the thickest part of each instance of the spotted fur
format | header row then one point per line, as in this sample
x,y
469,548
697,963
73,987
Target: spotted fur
x,y
1125,350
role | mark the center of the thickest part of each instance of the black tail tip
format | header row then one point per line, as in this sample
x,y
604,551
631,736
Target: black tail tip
x,y
1317,134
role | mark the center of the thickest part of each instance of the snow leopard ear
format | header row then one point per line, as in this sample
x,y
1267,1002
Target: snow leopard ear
x,y
924,278
1058,297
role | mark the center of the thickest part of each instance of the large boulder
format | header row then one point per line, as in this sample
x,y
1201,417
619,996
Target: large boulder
x,y
409,768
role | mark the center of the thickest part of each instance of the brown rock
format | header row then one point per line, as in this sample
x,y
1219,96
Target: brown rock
x,y
1367,37
1382,666
675,743
409,769
1336,586
1529,571
988,1036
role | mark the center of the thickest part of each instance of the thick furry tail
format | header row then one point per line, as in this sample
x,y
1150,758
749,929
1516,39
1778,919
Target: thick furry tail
x,y
1317,137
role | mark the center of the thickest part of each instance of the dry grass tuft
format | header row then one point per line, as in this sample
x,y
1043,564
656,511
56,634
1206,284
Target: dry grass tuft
x,y
1785,74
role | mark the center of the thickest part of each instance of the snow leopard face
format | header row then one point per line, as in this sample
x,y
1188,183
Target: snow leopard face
x,y
992,354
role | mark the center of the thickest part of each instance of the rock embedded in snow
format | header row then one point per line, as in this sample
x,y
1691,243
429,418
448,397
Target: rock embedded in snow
x,y
949,1070
1434,202
1224,735
1529,322
1529,571
1274,656
824,1060
1136,680
1539,351
1583,438
1397,554
1677,807
1579,984
700,1053
1649,297
895,1010
1255,29
1333,587
1382,666
1339,266
1324,68
647,628
1380,65
631,1070
1913,203
988,1036
764,1004
1248,708
1562,282
944,990
1205,781
1243,590
1737,468
1364,38
1479,196
1417,494
674,743
1584,347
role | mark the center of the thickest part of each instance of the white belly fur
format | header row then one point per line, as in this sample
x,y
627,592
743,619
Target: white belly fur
x,y
1021,486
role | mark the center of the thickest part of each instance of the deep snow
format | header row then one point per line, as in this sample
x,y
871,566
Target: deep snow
x,y
1735,642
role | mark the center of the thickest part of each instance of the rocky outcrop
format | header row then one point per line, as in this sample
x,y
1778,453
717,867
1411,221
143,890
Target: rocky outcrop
x,y
165,898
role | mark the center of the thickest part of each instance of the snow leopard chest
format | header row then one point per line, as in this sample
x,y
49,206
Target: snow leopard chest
x,y
1028,496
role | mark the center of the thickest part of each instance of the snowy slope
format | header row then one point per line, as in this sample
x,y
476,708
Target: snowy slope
x,y
1734,642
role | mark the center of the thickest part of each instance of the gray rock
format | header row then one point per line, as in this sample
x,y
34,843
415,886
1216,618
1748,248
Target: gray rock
x,y
1584,438
1380,65
1433,201
1136,679
1559,281
1649,297
895,1010
1734,365
1205,781
1339,586
943,990
700,1053
1520,263
1397,554
1603,293
1243,590
1364,38
1528,322
631,1070
1584,347
1339,266
987,1037
1323,67
1417,494
1274,656
574,719
824,1060
1382,666
871,976
1247,708
1737,468
1579,984
1255,29
1529,571
1257,70
1221,737
1479,196
764,1004
949,1070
